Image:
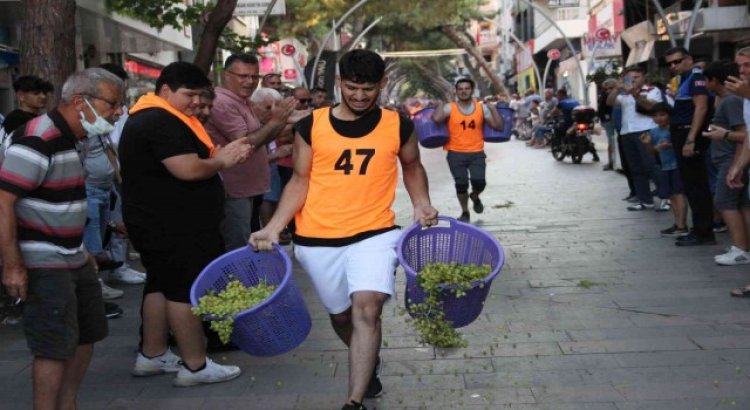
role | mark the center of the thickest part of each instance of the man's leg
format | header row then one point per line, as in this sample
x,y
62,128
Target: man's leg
x,y
188,331
47,375
460,170
342,325
236,225
155,324
75,370
632,146
365,340
625,164
477,175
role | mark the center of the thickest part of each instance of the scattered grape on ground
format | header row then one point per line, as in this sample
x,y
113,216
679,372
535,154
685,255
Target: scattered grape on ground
x,y
221,308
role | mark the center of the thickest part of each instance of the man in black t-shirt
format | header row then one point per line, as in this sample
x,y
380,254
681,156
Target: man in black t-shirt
x,y
172,206
31,93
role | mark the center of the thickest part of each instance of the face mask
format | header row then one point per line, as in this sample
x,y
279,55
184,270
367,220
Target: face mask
x,y
100,125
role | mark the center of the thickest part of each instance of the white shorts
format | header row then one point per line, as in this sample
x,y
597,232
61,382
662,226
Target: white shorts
x,y
337,272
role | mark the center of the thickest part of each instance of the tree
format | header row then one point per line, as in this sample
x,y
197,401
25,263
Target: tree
x,y
212,18
420,17
48,49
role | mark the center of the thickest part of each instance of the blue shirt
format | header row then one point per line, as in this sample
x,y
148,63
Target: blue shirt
x,y
566,106
667,156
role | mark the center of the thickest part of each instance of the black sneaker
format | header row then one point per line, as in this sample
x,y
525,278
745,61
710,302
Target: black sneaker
x,y
464,217
695,240
111,310
374,388
354,406
478,205
632,198
674,231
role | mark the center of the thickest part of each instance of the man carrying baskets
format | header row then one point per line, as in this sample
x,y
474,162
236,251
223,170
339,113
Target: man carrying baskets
x,y
466,158
345,175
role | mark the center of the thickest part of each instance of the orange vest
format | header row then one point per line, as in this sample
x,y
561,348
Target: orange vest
x,y
352,181
465,131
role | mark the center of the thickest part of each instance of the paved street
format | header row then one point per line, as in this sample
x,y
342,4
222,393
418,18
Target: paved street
x,y
593,310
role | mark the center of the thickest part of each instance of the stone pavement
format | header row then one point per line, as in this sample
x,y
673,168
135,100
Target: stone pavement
x,y
593,311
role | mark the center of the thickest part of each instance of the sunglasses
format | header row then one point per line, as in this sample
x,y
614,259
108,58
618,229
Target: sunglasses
x,y
305,100
676,61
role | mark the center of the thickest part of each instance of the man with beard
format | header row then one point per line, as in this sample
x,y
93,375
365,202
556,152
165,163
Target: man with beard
x,y
342,190
465,146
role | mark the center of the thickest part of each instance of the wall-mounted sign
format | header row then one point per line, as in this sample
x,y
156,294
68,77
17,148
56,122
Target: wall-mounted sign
x,y
563,3
258,8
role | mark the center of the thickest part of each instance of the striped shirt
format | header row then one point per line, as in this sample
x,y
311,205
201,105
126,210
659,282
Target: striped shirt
x,y
44,170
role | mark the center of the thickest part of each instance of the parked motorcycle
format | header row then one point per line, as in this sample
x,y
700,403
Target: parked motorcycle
x,y
577,143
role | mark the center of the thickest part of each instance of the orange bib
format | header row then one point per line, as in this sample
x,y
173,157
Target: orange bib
x,y
465,130
352,181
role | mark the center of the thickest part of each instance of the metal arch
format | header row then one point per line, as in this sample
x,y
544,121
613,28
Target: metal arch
x,y
660,10
523,46
330,34
568,43
691,25
364,32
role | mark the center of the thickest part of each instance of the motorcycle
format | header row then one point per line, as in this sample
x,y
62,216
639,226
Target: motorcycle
x,y
577,143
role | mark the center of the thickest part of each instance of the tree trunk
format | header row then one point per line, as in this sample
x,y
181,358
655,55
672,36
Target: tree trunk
x,y
476,73
48,49
217,21
457,39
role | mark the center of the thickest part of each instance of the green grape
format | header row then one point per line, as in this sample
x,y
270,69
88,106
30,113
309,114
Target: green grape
x,y
221,308
436,280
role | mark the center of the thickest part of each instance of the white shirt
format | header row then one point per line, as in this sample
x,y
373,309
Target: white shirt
x,y
632,121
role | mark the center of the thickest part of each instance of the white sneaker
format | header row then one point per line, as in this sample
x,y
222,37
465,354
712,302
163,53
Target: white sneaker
x,y
128,276
664,206
212,373
109,293
735,256
168,362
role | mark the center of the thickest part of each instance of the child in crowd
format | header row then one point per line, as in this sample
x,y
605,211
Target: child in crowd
x,y
658,139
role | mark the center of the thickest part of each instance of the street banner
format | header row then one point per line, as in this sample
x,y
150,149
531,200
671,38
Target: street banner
x,y
325,72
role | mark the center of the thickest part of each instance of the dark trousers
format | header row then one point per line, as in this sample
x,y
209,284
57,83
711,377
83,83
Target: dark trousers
x,y
625,164
641,164
695,179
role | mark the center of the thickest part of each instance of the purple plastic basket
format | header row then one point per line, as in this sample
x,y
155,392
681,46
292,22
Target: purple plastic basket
x,y
450,241
431,134
277,325
494,135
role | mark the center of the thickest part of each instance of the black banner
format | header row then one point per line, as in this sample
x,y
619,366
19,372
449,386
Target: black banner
x,y
325,72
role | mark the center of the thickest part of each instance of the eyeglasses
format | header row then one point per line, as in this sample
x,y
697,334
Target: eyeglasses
x,y
676,61
244,77
305,100
113,105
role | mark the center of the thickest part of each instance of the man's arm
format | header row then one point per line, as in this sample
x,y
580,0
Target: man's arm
x,y
439,115
649,100
279,115
734,176
495,120
699,116
415,180
190,167
612,97
15,278
292,199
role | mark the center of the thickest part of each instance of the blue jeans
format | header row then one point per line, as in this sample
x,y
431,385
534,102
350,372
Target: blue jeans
x,y
97,218
539,133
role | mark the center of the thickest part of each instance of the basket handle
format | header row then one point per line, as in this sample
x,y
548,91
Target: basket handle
x,y
442,220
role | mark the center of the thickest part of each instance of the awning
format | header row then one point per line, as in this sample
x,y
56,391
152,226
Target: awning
x,y
643,51
641,42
